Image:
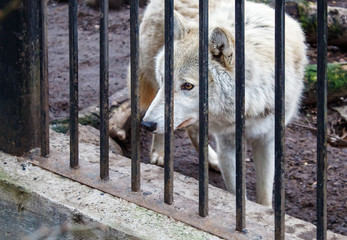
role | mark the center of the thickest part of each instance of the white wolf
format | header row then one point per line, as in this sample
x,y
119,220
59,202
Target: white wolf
x,y
259,82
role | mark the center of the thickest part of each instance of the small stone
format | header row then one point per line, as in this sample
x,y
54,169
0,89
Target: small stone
x,y
35,178
5,162
102,194
23,165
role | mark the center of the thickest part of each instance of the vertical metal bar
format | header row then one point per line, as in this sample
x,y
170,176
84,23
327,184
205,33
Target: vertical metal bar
x,y
44,90
169,90
73,47
203,108
135,98
240,115
279,119
322,120
104,104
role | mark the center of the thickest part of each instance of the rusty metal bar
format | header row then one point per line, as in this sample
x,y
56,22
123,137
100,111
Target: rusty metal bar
x,y
73,48
44,90
322,120
169,91
279,119
135,98
240,115
104,104
203,108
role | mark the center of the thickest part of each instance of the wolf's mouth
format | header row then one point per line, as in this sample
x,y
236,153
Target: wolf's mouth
x,y
185,123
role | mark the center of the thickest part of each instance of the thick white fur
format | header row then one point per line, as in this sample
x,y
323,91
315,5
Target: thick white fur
x,y
259,71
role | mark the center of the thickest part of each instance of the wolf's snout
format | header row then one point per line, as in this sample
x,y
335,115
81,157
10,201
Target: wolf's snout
x,y
150,126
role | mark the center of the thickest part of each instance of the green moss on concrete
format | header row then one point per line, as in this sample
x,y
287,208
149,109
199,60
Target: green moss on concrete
x,y
62,126
92,120
63,121
10,187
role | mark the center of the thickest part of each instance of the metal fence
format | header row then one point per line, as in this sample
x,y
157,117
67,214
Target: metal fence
x,y
203,90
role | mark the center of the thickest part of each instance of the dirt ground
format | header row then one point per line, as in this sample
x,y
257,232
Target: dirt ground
x,y
300,141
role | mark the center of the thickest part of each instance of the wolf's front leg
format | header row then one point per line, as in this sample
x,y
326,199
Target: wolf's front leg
x,y
193,134
263,151
157,150
226,157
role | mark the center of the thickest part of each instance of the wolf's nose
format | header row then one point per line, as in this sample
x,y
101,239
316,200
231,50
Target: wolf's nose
x,y
150,126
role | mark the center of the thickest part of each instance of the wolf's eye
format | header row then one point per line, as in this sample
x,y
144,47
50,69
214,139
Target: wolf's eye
x,y
187,86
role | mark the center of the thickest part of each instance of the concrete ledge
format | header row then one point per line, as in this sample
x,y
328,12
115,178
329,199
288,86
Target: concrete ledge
x,y
32,197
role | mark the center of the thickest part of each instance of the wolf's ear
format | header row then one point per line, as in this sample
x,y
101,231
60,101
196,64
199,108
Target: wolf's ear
x,y
222,46
180,26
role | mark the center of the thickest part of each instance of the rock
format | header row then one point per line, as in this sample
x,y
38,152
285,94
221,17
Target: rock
x,y
337,27
89,134
120,121
306,13
119,116
342,111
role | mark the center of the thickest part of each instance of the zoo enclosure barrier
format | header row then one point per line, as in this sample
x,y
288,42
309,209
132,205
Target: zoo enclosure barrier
x,y
38,9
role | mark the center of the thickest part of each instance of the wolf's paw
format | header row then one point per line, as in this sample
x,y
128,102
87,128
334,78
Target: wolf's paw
x,y
213,160
214,166
157,158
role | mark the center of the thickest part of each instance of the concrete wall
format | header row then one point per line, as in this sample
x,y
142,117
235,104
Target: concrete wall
x,y
35,203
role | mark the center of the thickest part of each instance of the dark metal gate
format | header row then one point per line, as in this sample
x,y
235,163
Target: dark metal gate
x,y
203,90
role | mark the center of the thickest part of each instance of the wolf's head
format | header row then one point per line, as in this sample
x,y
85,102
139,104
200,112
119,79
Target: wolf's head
x,y
186,73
